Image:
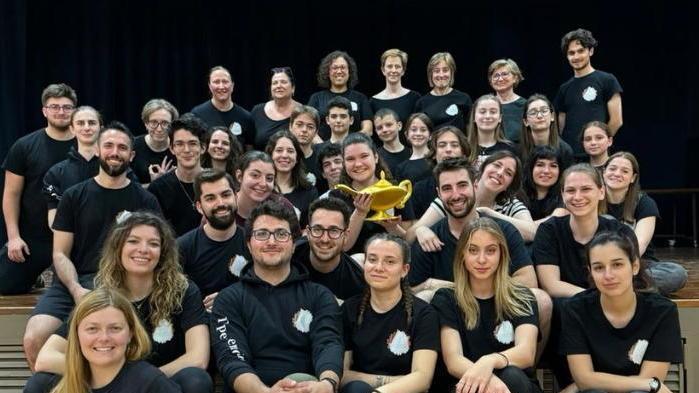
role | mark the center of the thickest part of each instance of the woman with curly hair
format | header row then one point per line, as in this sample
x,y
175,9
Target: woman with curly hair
x,y
140,258
337,76
222,150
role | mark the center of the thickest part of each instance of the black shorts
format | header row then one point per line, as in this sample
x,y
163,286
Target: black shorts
x,y
57,300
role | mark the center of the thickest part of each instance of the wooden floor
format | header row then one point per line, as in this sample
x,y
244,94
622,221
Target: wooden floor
x,y
689,258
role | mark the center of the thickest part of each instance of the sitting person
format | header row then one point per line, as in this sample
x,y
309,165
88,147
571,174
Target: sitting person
x,y
618,337
222,150
391,337
485,131
541,185
539,128
596,138
489,323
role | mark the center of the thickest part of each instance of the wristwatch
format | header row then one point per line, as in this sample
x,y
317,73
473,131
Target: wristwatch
x,y
654,385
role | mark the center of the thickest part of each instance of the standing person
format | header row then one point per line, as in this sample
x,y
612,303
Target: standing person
x,y
391,337
83,218
444,105
418,130
273,115
541,185
489,322
153,156
596,139
485,133
539,129
388,127
303,123
338,76
222,150
275,322
504,75
220,110
618,336
589,95
29,239
339,118
175,190
394,63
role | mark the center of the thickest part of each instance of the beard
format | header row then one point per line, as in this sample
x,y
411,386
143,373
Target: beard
x,y
321,258
114,171
468,207
221,223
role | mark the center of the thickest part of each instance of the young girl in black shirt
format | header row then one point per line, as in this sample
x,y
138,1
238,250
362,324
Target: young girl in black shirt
x,y
539,128
222,150
417,129
618,338
541,185
391,337
484,131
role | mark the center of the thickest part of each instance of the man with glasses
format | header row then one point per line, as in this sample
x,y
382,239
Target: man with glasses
x,y
275,322
321,252
153,156
28,249
175,189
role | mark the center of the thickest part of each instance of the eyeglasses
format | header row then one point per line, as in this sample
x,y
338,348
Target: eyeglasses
x,y
55,108
540,111
502,75
154,124
280,235
333,232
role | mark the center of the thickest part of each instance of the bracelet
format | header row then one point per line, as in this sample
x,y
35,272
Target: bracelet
x,y
507,360
332,382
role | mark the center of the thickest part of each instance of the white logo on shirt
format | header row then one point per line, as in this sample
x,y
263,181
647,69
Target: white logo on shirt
x,y
504,333
452,110
311,178
638,351
355,107
302,320
235,128
163,332
398,343
236,265
589,94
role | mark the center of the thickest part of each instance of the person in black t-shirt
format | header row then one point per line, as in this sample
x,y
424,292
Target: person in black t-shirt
x,y
106,339
417,129
596,139
140,258
273,115
303,123
331,164
337,72
444,105
628,204
388,128
175,190
395,97
539,128
590,95
618,336
321,251
485,132
153,155
541,186
222,150
28,249
504,75
489,322
391,337
220,110
214,254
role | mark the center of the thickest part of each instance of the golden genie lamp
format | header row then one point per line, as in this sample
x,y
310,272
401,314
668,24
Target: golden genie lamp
x,y
384,196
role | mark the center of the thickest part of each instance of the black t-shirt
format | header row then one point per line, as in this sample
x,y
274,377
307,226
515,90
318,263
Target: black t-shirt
x,y
403,105
448,110
146,157
264,126
139,377
345,281
512,115
440,264
384,343
646,207
540,208
31,157
554,244
302,198
176,198
652,334
211,264
583,100
413,170
424,192
361,110
87,210
238,120
485,152
486,337
394,159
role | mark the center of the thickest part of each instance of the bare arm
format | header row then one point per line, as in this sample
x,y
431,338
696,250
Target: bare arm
x,y
561,122
522,221
196,342
614,110
51,217
418,380
427,289
550,280
361,210
16,247
429,218
587,378
62,246
526,276
52,357
367,127
645,227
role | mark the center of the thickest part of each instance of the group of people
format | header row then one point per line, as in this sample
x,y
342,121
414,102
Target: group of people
x,y
217,243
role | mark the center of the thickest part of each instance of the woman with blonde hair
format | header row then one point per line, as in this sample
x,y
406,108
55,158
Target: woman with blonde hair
x,y
140,258
489,323
444,105
504,75
394,63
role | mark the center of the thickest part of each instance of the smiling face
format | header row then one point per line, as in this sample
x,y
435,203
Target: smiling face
x,y
218,204
447,146
220,85
158,124
498,175
387,128
85,126
619,174
257,181
115,152
392,69
539,116
578,56
141,251
417,133
482,255
441,75
325,248
611,269
270,254
104,336
384,265
545,172
284,155
59,119
487,115
219,145
596,141
187,149
360,162
581,194
503,79
457,192
281,86
339,73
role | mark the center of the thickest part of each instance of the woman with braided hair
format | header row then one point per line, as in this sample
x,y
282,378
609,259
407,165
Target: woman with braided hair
x,y
391,337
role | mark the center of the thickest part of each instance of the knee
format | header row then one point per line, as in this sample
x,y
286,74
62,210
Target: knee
x,y
668,276
356,387
515,379
41,383
193,380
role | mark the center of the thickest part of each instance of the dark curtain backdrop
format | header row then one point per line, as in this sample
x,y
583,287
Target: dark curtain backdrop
x,y
119,54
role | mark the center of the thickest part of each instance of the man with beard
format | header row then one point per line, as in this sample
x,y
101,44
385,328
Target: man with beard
x,y
321,252
213,255
175,189
83,218
29,239
275,322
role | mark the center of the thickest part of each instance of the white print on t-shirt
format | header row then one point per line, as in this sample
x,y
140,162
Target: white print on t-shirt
x,y
302,320
311,178
163,332
235,128
589,94
355,107
452,110
398,343
236,265
638,351
504,332
122,216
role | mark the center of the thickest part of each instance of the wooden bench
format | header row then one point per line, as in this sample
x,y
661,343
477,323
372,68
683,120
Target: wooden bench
x,y
14,312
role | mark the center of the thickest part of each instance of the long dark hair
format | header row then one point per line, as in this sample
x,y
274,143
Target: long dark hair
x,y
516,183
298,172
642,282
529,193
233,156
324,69
359,138
633,194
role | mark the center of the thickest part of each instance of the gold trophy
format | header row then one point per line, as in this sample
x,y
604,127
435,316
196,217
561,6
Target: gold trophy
x,y
385,196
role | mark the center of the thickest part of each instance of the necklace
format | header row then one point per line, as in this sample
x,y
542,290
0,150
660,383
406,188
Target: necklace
x,y
184,190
